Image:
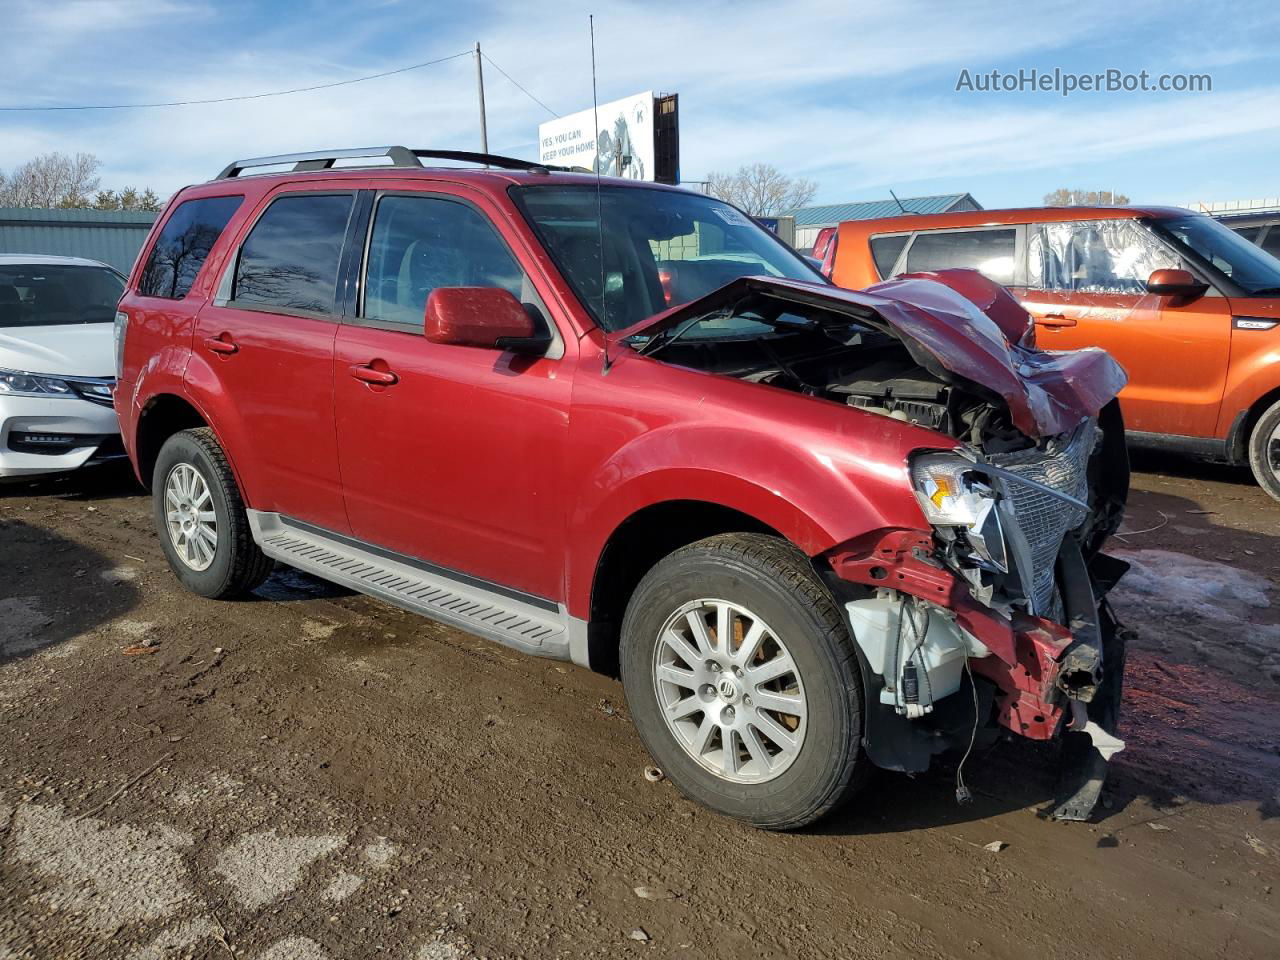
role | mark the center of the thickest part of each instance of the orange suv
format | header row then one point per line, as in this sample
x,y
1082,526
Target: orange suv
x,y
1188,307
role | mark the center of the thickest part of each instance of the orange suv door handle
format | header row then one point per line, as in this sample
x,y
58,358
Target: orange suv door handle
x,y
221,344
1055,321
365,374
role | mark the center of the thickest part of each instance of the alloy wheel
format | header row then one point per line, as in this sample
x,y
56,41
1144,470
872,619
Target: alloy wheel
x,y
729,690
190,517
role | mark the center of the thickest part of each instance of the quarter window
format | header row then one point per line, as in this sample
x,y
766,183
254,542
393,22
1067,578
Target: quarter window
x,y
183,246
988,251
885,251
420,243
1094,256
290,260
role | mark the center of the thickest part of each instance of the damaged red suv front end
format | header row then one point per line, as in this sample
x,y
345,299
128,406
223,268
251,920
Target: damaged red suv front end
x,y
989,613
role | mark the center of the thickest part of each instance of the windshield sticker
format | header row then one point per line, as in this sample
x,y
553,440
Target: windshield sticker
x,y
731,216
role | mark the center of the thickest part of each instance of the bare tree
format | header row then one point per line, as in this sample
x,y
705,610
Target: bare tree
x,y
1064,197
52,180
761,189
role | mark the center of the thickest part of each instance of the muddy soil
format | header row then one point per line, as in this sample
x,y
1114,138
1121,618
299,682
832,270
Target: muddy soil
x,y
313,774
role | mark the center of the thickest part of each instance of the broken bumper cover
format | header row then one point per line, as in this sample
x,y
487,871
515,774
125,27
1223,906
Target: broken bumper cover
x,y
1034,677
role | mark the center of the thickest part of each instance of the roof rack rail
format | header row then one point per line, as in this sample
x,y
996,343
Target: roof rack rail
x,y
400,157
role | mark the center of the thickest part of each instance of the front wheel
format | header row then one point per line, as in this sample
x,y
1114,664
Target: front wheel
x,y
201,518
1264,450
743,681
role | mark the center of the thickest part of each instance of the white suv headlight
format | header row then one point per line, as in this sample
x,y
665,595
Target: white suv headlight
x,y
23,384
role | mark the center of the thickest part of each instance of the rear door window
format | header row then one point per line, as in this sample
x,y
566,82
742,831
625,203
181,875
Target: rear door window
x,y
289,261
885,251
421,243
990,252
183,246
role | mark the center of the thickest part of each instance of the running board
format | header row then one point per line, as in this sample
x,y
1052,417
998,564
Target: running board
x,y
528,627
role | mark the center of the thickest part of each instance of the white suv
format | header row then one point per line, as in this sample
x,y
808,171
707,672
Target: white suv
x,y
56,364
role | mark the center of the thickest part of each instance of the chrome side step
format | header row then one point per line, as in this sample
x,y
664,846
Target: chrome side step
x,y
527,626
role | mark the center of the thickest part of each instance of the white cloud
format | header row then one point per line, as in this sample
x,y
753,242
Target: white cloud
x,y
856,95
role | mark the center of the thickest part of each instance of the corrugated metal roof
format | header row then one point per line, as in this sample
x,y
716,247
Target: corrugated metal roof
x,y
833,213
112,236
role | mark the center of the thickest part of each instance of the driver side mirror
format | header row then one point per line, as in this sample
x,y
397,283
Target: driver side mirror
x,y
487,317
1175,283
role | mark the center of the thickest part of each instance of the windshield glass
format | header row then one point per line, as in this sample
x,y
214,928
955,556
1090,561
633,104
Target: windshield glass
x,y
35,295
661,248
1245,265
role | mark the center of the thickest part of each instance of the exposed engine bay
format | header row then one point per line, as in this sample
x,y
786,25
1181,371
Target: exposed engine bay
x,y
996,619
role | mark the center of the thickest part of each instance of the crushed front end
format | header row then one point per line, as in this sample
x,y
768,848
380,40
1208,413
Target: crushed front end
x,y
989,613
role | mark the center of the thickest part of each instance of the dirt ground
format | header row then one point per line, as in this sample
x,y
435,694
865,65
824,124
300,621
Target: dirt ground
x,y
313,774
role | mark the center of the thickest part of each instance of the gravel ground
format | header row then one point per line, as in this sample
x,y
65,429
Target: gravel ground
x,y
313,774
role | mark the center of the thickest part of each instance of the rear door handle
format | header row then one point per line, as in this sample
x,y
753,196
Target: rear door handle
x,y
1056,321
367,374
222,344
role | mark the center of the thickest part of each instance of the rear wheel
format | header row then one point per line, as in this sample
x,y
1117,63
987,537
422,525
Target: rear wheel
x,y
743,682
1264,450
201,518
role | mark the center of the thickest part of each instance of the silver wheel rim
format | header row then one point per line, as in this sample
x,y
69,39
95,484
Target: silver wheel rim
x,y
1273,451
729,691
189,515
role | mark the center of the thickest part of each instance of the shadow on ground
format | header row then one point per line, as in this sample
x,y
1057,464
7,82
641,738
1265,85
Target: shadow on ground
x,y
34,617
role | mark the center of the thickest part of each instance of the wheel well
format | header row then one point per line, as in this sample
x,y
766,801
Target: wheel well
x,y
641,541
163,417
1238,440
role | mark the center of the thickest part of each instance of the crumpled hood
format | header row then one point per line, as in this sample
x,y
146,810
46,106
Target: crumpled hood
x,y
63,350
956,324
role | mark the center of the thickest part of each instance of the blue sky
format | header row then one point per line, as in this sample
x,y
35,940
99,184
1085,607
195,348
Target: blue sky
x,y
859,97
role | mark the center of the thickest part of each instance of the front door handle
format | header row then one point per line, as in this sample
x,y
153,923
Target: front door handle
x,y
1055,321
222,344
367,374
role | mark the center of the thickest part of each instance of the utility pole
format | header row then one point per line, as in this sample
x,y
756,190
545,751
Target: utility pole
x,y
484,129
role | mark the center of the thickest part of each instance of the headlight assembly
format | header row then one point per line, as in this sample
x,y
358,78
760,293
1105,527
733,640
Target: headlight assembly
x,y
954,494
22,384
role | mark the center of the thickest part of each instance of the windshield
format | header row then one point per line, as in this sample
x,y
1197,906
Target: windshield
x,y
34,295
661,247
1247,266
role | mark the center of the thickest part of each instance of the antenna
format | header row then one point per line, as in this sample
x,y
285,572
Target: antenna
x,y
595,122
898,202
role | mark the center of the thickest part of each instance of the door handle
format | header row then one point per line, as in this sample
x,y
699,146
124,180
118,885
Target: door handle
x,y
366,374
222,344
1055,321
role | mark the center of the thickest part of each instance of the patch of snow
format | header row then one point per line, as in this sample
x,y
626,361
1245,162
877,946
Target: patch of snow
x,y
109,875
1177,601
263,866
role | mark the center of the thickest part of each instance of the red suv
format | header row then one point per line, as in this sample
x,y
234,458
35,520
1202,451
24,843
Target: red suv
x,y
813,529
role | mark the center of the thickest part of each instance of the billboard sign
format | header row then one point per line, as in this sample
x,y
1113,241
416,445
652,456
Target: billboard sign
x,y
622,147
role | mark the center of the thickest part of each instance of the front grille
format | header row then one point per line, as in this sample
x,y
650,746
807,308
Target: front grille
x,y
1043,518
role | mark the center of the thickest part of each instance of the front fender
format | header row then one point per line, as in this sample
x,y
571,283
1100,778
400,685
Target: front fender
x,y
816,491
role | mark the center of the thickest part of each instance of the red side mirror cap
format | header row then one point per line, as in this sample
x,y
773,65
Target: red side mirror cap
x,y
487,317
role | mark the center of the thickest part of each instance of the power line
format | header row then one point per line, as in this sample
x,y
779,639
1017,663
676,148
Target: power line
x,y
252,96
521,88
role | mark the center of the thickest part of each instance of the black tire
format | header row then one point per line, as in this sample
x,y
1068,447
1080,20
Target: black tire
x,y
775,581
237,565
1264,453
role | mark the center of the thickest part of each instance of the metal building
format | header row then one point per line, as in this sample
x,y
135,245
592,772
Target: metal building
x,y
809,220
112,236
